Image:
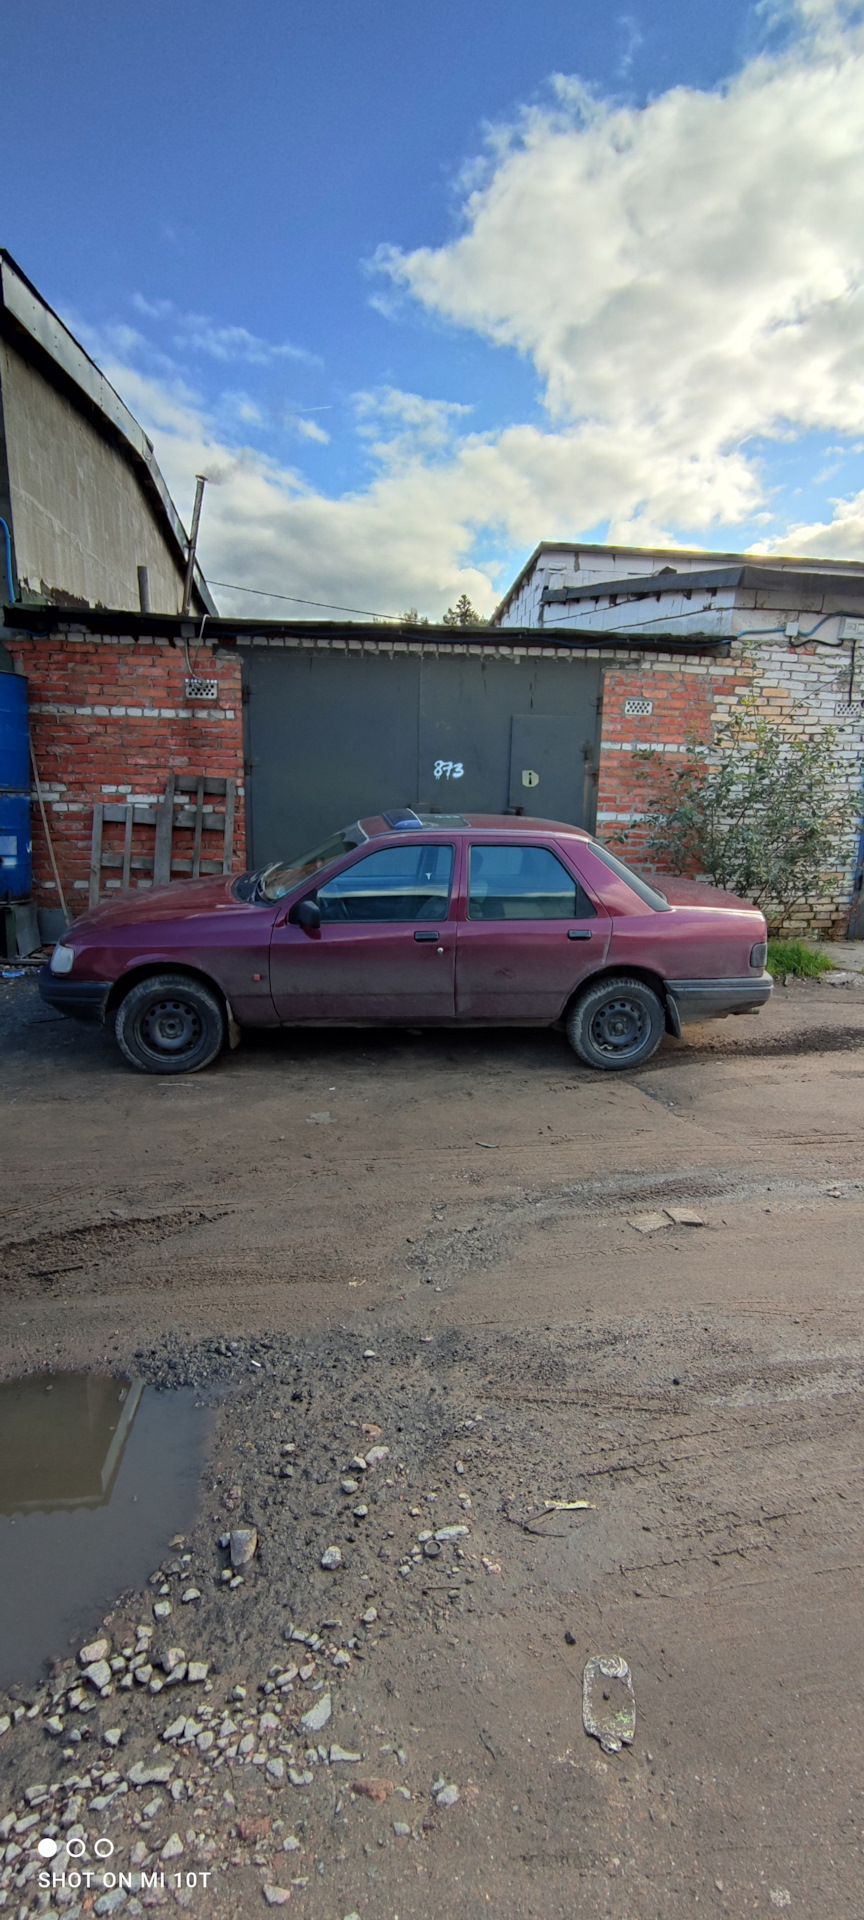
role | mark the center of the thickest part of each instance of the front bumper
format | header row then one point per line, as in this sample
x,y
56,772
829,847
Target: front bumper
x,y
81,999
711,999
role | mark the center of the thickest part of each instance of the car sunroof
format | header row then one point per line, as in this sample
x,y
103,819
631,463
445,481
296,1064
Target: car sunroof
x,y
402,817
405,817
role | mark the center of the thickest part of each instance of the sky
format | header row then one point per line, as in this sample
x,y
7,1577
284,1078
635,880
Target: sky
x,y
417,287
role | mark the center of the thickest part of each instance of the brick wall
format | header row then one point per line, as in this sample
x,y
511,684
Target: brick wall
x,y
109,721
806,689
683,696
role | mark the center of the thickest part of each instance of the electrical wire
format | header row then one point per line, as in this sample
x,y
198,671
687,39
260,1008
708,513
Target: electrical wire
x,y
329,606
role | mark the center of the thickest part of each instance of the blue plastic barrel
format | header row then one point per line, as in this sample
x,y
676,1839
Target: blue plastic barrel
x,y
16,847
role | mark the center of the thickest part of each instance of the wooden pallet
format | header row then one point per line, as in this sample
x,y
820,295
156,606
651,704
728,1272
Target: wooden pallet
x,y
187,806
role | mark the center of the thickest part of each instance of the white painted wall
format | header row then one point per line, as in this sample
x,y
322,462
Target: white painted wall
x,y
724,613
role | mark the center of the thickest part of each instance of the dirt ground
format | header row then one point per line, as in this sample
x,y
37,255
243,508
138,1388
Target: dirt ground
x,y
426,1243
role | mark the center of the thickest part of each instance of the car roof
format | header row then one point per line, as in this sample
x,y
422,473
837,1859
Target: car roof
x,y
407,820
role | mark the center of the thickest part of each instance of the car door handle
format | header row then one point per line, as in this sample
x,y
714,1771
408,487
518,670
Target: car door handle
x,y
427,934
578,933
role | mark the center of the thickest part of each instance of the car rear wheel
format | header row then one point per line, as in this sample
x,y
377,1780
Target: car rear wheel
x,y
170,1024
616,1024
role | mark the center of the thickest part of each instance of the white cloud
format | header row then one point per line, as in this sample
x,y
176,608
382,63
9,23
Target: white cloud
x,y
684,278
689,274
400,425
840,538
405,538
309,429
633,39
198,333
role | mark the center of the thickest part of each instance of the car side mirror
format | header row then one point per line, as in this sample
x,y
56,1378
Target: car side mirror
x,y
306,914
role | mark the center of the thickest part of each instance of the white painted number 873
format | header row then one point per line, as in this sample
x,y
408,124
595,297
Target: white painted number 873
x,y
449,770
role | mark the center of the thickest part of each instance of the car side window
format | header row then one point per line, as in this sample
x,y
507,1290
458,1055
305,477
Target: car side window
x,y
396,883
524,883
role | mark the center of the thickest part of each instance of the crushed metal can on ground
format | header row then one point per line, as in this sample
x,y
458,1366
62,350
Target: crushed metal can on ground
x,y
608,1702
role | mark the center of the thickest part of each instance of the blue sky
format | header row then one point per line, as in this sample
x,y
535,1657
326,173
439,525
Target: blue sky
x,y
420,286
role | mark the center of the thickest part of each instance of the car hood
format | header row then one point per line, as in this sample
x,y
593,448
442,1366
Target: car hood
x,y
180,899
696,893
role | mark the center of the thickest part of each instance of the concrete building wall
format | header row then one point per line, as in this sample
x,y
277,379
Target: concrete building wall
x,y
83,523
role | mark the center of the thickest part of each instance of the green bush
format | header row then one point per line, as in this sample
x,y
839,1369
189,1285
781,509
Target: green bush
x,y
791,956
761,811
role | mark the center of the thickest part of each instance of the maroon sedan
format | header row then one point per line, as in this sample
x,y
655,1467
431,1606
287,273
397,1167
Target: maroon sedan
x,y
415,919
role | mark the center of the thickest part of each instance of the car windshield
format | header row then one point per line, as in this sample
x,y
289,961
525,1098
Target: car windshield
x,y
651,895
278,879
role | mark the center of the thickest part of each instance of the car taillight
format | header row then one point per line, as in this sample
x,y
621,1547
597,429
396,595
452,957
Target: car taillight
x,y
759,954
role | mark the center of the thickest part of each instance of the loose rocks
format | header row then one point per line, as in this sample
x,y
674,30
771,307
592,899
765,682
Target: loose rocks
x,y
243,1545
376,1790
99,1674
318,1716
95,1650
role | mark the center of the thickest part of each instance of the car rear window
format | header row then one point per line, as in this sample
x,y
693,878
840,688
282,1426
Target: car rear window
x,y
651,895
523,883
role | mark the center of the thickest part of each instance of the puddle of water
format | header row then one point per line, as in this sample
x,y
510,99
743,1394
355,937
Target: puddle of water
x,y
96,1474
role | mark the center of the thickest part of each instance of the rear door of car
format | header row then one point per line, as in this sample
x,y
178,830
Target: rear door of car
x,y
386,947
531,932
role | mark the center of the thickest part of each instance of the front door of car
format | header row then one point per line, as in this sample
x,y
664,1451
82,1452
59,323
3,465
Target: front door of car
x,y
386,946
530,937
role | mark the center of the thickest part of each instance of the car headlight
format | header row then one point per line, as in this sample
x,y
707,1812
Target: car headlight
x,y
62,959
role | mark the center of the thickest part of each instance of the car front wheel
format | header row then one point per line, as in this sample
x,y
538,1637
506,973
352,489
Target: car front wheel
x,y
616,1024
170,1024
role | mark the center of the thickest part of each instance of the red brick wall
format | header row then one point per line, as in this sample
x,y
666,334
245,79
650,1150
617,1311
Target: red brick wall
x,y
109,721
683,700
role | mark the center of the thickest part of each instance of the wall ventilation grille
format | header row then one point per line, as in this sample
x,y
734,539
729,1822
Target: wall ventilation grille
x,y
197,689
638,709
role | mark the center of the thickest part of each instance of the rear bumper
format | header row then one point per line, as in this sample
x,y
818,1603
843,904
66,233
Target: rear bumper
x,y
711,999
81,999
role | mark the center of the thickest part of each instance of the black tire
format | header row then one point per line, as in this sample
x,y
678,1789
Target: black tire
x,y
616,1024
170,1024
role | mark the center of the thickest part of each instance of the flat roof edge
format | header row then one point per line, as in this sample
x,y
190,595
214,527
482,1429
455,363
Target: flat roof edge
x,y
44,620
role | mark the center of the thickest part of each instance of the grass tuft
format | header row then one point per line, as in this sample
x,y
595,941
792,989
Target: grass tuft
x,y
791,956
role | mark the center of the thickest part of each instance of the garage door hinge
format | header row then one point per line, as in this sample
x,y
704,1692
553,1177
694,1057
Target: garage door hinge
x,y
248,766
245,696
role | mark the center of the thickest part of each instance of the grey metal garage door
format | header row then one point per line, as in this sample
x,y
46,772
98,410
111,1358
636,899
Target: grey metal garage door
x,y
334,736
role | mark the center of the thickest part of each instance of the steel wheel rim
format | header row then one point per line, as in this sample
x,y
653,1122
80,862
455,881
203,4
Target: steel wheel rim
x,y
170,1028
619,1026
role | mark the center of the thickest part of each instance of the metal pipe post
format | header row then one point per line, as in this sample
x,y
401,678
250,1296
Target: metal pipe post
x,y
200,484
